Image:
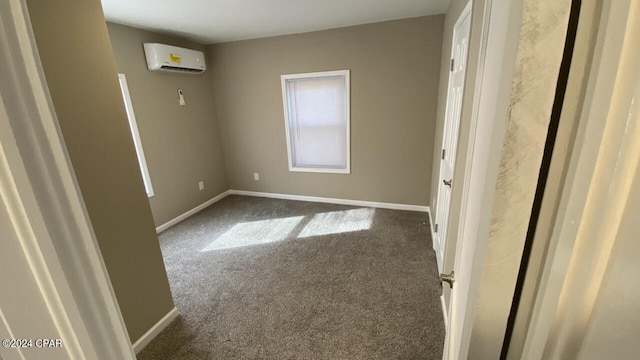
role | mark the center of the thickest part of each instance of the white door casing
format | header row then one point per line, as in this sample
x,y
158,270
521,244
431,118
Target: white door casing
x,y
583,259
453,112
56,286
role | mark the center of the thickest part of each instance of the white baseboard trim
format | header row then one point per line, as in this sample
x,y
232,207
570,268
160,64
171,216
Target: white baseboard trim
x,y
196,209
373,204
445,314
146,338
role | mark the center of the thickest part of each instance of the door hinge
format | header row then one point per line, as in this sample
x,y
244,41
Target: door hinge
x,y
452,62
443,153
435,228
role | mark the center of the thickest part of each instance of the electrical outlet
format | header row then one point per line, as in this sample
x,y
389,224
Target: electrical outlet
x,y
201,185
256,176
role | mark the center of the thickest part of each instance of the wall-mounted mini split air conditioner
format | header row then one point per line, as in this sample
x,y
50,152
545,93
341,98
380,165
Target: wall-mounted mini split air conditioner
x,y
162,57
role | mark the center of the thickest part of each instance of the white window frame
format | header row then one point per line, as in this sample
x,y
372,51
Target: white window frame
x,y
133,125
287,120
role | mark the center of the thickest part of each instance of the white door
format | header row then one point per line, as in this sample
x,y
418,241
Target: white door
x,y
451,128
456,310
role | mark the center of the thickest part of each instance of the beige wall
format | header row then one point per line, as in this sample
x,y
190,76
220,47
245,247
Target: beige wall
x,y
394,84
181,143
81,74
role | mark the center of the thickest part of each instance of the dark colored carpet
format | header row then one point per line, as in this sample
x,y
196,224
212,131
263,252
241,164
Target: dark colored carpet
x,y
257,278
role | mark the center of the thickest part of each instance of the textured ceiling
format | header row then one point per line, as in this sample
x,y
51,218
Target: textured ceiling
x,y
214,21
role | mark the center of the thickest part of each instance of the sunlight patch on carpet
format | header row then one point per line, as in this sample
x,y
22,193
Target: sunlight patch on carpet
x,y
337,222
255,233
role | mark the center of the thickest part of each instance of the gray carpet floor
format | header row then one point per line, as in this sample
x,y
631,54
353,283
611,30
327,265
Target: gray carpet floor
x,y
257,278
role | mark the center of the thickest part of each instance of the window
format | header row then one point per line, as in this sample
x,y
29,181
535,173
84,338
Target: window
x,y
316,114
136,136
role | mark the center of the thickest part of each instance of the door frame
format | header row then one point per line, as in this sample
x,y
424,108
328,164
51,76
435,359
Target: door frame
x,y
45,217
601,168
489,96
493,256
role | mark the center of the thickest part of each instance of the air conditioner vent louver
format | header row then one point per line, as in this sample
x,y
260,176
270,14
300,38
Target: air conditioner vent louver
x,y
162,57
175,68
